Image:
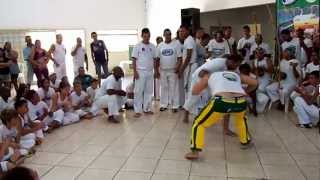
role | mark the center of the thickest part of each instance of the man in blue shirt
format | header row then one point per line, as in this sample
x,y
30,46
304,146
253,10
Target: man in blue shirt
x,y
26,56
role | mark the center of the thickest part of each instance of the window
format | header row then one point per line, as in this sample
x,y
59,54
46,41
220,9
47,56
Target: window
x,y
118,40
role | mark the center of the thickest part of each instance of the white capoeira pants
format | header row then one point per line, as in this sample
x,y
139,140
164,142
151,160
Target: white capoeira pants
x,y
82,112
60,70
157,87
282,92
113,102
28,141
306,113
70,118
169,89
57,116
188,78
143,91
262,101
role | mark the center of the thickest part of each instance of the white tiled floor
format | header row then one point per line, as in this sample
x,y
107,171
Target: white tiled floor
x,y
152,148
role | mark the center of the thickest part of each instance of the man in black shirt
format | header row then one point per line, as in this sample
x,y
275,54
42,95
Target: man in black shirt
x,y
99,55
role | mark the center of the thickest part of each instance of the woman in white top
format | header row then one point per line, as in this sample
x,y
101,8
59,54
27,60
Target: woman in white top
x,y
64,102
290,73
262,68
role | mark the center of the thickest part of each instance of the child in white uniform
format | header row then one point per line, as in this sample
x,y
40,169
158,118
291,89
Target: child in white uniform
x,y
169,60
262,68
143,60
46,93
92,90
28,129
54,82
63,102
40,111
110,95
314,65
289,76
80,101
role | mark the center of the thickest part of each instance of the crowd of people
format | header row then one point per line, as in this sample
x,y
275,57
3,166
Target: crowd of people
x,y
213,78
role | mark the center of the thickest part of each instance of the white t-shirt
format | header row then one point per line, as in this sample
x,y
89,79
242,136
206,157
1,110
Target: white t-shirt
x,y
287,68
76,99
214,65
92,92
218,49
144,55
190,43
59,54
311,67
249,42
225,81
36,110
109,83
78,58
46,96
303,58
168,54
263,45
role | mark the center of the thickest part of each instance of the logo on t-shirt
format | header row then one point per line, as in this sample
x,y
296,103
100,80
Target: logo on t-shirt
x,y
230,76
167,52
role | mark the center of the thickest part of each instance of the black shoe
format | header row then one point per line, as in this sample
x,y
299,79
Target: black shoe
x,y
113,120
307,126
163,109
174,110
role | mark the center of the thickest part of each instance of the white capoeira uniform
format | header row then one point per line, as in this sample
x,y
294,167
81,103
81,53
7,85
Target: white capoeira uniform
x,y
69,116
145,55
214,65
59,54
306,113
78,60
264,81
218,49
91,93
37,110
189,43
281,91
181,80
249,42
46,96
130,89
25,143
103,100
78,100
25,124
263,46
168,53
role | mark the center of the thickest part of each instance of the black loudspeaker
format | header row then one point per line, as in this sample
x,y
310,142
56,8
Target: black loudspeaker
x,y
191,17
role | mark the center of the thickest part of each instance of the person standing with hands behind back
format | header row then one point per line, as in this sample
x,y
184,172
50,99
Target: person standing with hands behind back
x,y
144,62
100,56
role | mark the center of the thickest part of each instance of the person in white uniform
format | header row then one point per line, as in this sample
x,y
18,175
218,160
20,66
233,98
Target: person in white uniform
x,y
46,93
92,90
262,68
189,57
182,95
40,111
260,44
80,101
314,65
157,83
110,95
306,106
54,82
79,57
290,74
305,48
57,53
245,43
144,68
289,43
218,47
231,42
169,61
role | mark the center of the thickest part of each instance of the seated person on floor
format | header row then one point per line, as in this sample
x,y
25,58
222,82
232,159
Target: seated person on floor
x,y
80,100
5,98
54,82
110,95
306,104
84,78
45,92
92,90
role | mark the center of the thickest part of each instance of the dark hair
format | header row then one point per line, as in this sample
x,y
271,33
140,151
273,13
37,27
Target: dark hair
x,y
246,27
234,57
219,32
21,91
63,85
227,27
206,36
166,30
145,31
76,83
30,94
184,26
245,68
19,103
4,90
285,32
42,82
20,173
315,74
93,33
7,115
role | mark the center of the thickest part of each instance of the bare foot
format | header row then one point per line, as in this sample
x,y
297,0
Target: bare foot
x,y
137,115
39,141
193,155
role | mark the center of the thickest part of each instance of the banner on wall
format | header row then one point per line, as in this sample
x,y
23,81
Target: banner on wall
x,y
298,14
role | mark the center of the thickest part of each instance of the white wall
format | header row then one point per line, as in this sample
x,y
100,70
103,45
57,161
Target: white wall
x,y
79,14
166,13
